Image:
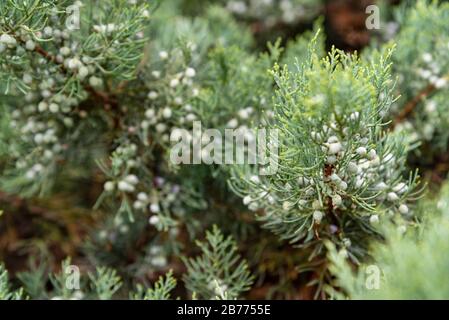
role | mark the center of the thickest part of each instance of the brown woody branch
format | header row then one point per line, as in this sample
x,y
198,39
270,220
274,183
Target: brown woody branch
x,y
20,203
411,105
109,101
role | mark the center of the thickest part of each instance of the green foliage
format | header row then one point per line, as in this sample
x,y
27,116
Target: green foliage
x,y
411,265
297,50
89,114
340,173
423,73
105,283
52,67
218,272
5,291
34,282
65,282
161,290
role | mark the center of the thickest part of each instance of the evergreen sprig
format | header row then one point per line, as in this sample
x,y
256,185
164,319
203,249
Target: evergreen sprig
x,y
408,266
5,291
161,290
340,172
218,272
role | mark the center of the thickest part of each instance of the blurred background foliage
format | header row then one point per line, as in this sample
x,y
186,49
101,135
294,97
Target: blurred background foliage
x,y
37,234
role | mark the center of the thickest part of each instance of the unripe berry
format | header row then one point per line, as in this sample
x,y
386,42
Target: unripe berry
x,y
318,216
109,186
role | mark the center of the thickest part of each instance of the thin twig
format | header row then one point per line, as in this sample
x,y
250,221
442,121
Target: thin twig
x,y
411,105
108,100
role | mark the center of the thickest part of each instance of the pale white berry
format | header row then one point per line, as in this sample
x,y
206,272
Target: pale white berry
x,y
316,204
361,151
372,154
131,163
431,106
53,107
154,207
48,154
253,206
8,40
354,116
178,101
381,186
152,95
73,63
27,78
167,112
331,159
286,205
132,179
352,167
39,138
318,216
159,261
30,45
343,185
37,167
149,113
392,196
142,196
190,72
303,181
254,179
161,127
138,205
334,177
424,73
42,106
190,117
427,57
95,81
374,219
359,182
233,123
156,74
403,209
146,14
440,83
243,114
154,220
125,186
48,31
174,82
334,148
83,73
109,186
65,51
315,135
247,200
400,187
163,55
337,200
